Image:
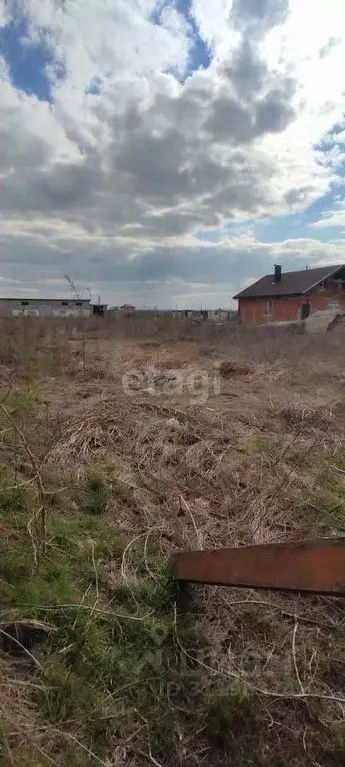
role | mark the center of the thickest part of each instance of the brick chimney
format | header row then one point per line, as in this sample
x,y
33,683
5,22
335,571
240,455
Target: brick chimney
x,y
277,273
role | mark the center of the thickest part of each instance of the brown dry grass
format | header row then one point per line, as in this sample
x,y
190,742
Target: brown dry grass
x,y
259,459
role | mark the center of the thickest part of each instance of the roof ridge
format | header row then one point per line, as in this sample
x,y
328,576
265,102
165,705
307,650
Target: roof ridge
x,y
306,269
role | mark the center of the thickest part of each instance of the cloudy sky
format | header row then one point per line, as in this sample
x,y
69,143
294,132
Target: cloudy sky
x,y
169,152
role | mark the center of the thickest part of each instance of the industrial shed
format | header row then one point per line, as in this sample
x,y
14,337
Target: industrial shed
x,y
45,307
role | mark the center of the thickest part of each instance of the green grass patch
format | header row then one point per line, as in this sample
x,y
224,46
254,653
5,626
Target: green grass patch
x,y
324,505
262,445
94,495
231,716
23,400
112,664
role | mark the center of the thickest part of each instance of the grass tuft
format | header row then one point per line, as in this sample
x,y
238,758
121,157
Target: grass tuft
x,y
97,494
231,715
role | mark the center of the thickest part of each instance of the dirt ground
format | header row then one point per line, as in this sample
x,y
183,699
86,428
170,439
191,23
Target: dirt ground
x,y
174,437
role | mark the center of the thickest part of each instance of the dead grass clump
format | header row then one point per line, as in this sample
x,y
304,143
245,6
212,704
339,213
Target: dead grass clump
x,y
174,356
323,423
150,344
6,373
94,428
107,423
230,368
19,719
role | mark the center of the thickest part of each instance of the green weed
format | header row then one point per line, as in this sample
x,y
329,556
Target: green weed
x,y
96,496
262,445
325,504
22,400
231,715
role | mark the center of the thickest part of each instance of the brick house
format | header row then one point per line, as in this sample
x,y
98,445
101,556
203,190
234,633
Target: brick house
x,y
289,296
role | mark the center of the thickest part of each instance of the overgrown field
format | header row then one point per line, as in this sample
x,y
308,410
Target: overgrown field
x,y
121,443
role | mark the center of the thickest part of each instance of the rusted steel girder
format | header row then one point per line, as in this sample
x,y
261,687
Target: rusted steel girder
x,y
312,566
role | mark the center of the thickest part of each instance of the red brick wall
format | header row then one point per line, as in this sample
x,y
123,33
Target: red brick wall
x,y
253,310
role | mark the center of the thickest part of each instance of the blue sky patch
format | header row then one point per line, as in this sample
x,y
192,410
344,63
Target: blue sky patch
x,y
329,141
299,225
94,87
26,61
288,227
199,54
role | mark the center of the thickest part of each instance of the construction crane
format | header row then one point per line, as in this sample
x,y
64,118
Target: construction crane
x,y
76,292
73,287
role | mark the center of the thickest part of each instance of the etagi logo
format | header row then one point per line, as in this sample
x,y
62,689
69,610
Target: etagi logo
x,y
197,384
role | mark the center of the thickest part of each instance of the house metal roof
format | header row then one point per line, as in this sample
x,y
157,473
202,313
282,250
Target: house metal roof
x,y
291,284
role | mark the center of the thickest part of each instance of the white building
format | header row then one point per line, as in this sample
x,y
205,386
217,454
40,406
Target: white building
x,y
45,307
218,315
127,309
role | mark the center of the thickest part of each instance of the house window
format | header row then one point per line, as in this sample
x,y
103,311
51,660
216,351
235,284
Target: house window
x,y
78,303
25,303
64,303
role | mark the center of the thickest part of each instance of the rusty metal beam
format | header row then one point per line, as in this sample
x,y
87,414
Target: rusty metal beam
x,y
312,566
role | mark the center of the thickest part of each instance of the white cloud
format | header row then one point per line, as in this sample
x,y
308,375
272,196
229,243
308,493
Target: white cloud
x,y
4,73
4,13
212,20
127,174
332,219
109,39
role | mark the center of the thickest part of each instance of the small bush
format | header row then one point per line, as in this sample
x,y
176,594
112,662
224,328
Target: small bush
x,y
97,495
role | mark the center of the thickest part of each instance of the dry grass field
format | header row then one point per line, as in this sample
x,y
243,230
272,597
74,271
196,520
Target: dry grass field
x,y
122,441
